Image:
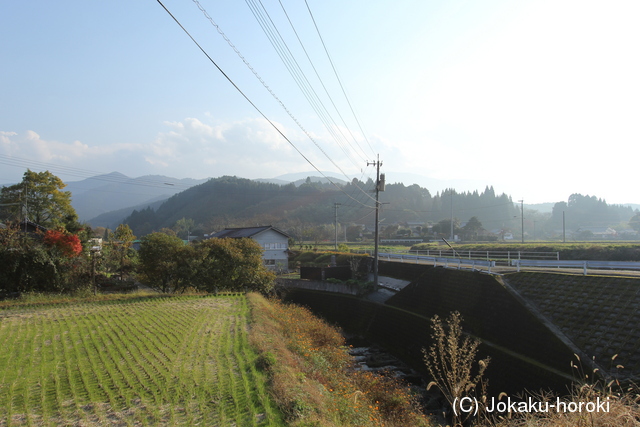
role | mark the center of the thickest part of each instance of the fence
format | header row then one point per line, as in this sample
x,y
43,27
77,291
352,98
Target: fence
x,y
499,256
507,256
584,265
459,263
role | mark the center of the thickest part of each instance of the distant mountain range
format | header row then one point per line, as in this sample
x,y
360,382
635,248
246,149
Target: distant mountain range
x,y
237,202
97,195
106,200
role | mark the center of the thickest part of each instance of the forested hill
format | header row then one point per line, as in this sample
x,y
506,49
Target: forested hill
x,y
235,202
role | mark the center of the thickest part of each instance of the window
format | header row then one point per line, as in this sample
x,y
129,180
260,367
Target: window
x,y
275,246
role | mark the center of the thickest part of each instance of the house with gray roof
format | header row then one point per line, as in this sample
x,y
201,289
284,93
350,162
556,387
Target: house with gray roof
x,y
274,243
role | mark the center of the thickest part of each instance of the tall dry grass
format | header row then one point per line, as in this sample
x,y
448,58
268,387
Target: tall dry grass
x,y
593,401
450,361
619,405
311,373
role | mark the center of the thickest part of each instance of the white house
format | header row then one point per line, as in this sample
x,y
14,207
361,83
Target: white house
x,y
274,242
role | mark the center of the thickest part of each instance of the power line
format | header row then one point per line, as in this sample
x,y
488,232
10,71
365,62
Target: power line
x,y
337,76
246,97
260,79
298,75
320,79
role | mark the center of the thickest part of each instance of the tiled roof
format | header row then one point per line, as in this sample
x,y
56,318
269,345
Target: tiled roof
x,y
237,233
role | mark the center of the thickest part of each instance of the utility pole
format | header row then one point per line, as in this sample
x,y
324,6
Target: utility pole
x,y
522,215
379,187
451,236
335,206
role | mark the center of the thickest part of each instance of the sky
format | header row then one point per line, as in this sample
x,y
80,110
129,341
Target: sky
x,y
539,99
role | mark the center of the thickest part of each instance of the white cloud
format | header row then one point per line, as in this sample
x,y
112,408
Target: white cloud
x,y
30,150
190,147
250,148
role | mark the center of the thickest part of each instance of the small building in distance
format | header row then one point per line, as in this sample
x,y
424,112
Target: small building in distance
x,y
274,242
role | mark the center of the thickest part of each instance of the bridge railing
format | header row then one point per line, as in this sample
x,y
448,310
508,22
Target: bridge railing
x,y
499,256
507,256
458,263
583,264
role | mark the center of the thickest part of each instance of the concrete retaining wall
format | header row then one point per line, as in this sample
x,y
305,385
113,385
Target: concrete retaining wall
x,y
525,353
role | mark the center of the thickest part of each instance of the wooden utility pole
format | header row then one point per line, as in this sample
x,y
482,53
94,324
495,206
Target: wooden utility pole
x,y
522,217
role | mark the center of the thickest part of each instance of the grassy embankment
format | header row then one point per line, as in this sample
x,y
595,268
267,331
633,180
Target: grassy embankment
x,y
183,360
311,377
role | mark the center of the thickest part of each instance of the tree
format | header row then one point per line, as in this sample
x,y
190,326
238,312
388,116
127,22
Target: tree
x,y
472,228
50,264
444,227
184,226
634,222
121,241
390,231
39,198
232,264
68,244
158,267
354,232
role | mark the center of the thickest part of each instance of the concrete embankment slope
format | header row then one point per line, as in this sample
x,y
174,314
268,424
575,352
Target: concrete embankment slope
x,y
600,315
528,350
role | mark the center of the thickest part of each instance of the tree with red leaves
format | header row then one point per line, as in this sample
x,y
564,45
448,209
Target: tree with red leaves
x,y
68,244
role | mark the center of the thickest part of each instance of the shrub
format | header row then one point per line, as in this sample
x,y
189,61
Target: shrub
x,y
32,264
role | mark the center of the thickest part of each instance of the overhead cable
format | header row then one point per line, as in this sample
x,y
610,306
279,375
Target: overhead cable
x,y
338,77
320,79
268,88
246,97
292,65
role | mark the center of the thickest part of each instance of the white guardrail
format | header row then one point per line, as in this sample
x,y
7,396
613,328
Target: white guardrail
x,y
448,262
461,263
585,265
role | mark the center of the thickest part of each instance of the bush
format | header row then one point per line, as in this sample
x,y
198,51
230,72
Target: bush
x,y
30,264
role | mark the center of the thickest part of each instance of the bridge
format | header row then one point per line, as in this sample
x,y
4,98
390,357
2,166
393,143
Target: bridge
x,y
518,264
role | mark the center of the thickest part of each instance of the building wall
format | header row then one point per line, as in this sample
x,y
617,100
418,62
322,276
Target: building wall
x,y
275,247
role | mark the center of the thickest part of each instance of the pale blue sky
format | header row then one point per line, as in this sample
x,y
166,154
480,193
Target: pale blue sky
x,y
540,98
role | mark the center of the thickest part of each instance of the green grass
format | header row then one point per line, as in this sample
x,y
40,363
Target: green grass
x,y
136,360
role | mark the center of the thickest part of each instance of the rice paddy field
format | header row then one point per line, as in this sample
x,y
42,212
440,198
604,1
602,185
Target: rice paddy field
x,y
163,360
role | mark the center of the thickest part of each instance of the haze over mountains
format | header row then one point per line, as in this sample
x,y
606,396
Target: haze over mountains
x,y
106,200
100,194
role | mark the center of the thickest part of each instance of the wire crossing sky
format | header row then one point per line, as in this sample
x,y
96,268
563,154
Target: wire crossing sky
x,y
537,98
